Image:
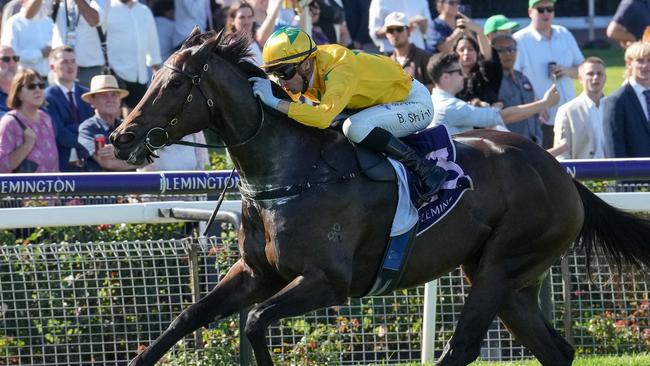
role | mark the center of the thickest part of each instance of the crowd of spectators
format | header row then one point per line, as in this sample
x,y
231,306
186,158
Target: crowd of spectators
x,y
91,55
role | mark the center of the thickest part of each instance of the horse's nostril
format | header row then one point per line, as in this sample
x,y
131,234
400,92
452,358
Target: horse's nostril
x,y
124,138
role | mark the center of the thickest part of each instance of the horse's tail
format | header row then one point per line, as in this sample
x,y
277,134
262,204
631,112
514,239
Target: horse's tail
x,y
620,236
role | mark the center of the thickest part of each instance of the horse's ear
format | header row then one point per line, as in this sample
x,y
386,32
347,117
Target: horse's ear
x,y
219,37
195,32
209,45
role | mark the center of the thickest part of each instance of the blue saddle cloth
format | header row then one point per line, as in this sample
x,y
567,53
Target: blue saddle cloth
x,y
436,144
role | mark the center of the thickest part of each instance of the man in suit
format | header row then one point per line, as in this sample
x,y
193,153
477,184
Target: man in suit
x,y
627,109
66,108
579,122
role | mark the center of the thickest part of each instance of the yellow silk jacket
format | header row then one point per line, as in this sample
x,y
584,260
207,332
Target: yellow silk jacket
x,y
349,79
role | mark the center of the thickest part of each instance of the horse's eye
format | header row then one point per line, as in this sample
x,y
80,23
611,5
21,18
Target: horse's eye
x,y
176,83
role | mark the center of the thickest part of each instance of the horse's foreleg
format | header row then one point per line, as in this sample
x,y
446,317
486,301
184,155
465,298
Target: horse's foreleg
x,y
305,293
489,288
237,290
523,317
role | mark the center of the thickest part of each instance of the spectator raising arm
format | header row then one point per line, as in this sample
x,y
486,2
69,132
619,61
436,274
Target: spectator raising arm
x,y
619,33
523,111
85,10
631,19
32,7
465,24
268,26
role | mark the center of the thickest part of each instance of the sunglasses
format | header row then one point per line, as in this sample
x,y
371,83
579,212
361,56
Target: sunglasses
x,y
392,30
32,86
9,58
452,2
545,9
286,72
451,72
511,49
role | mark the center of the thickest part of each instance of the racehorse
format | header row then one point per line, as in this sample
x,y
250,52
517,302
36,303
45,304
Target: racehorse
x,y
314,227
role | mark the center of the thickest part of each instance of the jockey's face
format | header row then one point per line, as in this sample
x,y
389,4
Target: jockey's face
x,y
295,84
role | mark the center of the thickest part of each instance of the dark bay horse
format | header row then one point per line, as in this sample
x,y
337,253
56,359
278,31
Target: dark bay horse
x,y
314,230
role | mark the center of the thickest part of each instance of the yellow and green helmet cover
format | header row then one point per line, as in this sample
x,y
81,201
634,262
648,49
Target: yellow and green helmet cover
x,y
287,45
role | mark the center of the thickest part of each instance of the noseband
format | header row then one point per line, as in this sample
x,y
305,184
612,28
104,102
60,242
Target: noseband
x,y
158,137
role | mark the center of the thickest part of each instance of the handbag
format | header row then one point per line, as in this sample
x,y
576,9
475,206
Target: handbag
x,y
25,166
106,69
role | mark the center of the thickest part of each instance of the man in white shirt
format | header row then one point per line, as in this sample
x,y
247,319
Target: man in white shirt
x,y
132,42
547,54
30,38
163,15
190,13
460,116
579,122
76,26
416,11
180,157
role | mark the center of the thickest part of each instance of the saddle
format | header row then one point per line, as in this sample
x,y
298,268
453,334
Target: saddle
x,y
371,164
374,165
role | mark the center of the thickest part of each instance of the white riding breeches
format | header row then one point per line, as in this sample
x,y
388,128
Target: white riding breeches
x,y
399,118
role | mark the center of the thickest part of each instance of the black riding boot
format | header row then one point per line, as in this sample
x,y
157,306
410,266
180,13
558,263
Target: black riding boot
x,y
431,176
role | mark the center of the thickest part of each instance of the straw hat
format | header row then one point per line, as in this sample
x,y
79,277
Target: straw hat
x,y
103,83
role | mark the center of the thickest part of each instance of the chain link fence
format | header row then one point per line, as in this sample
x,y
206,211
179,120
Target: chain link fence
x,y
100,303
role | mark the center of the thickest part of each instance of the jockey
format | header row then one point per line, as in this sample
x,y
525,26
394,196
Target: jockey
x,y
335,78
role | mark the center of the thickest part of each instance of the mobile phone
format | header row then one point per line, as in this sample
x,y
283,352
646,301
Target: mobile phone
x,y
465,9
551,66
458,16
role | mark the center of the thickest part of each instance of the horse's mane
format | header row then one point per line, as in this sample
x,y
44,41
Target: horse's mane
x,y
232,48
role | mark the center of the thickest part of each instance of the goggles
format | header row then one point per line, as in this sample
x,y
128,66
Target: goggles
x,y
286,71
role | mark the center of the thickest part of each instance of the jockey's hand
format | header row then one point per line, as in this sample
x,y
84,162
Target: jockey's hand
x,y
262,89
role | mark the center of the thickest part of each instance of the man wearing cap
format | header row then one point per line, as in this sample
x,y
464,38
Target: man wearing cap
x,y
105,97
412,58
498,24
547,54
416,11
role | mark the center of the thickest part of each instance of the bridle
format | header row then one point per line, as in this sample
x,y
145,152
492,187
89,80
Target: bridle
x,y
158,137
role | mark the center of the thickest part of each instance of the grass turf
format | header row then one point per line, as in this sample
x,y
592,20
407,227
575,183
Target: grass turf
x,y
632,360
629,360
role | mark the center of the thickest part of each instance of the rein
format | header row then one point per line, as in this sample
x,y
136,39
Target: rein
x,y
158,137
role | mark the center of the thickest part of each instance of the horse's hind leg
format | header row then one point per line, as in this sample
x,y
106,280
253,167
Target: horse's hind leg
x,y
236,291
523,317
305,293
